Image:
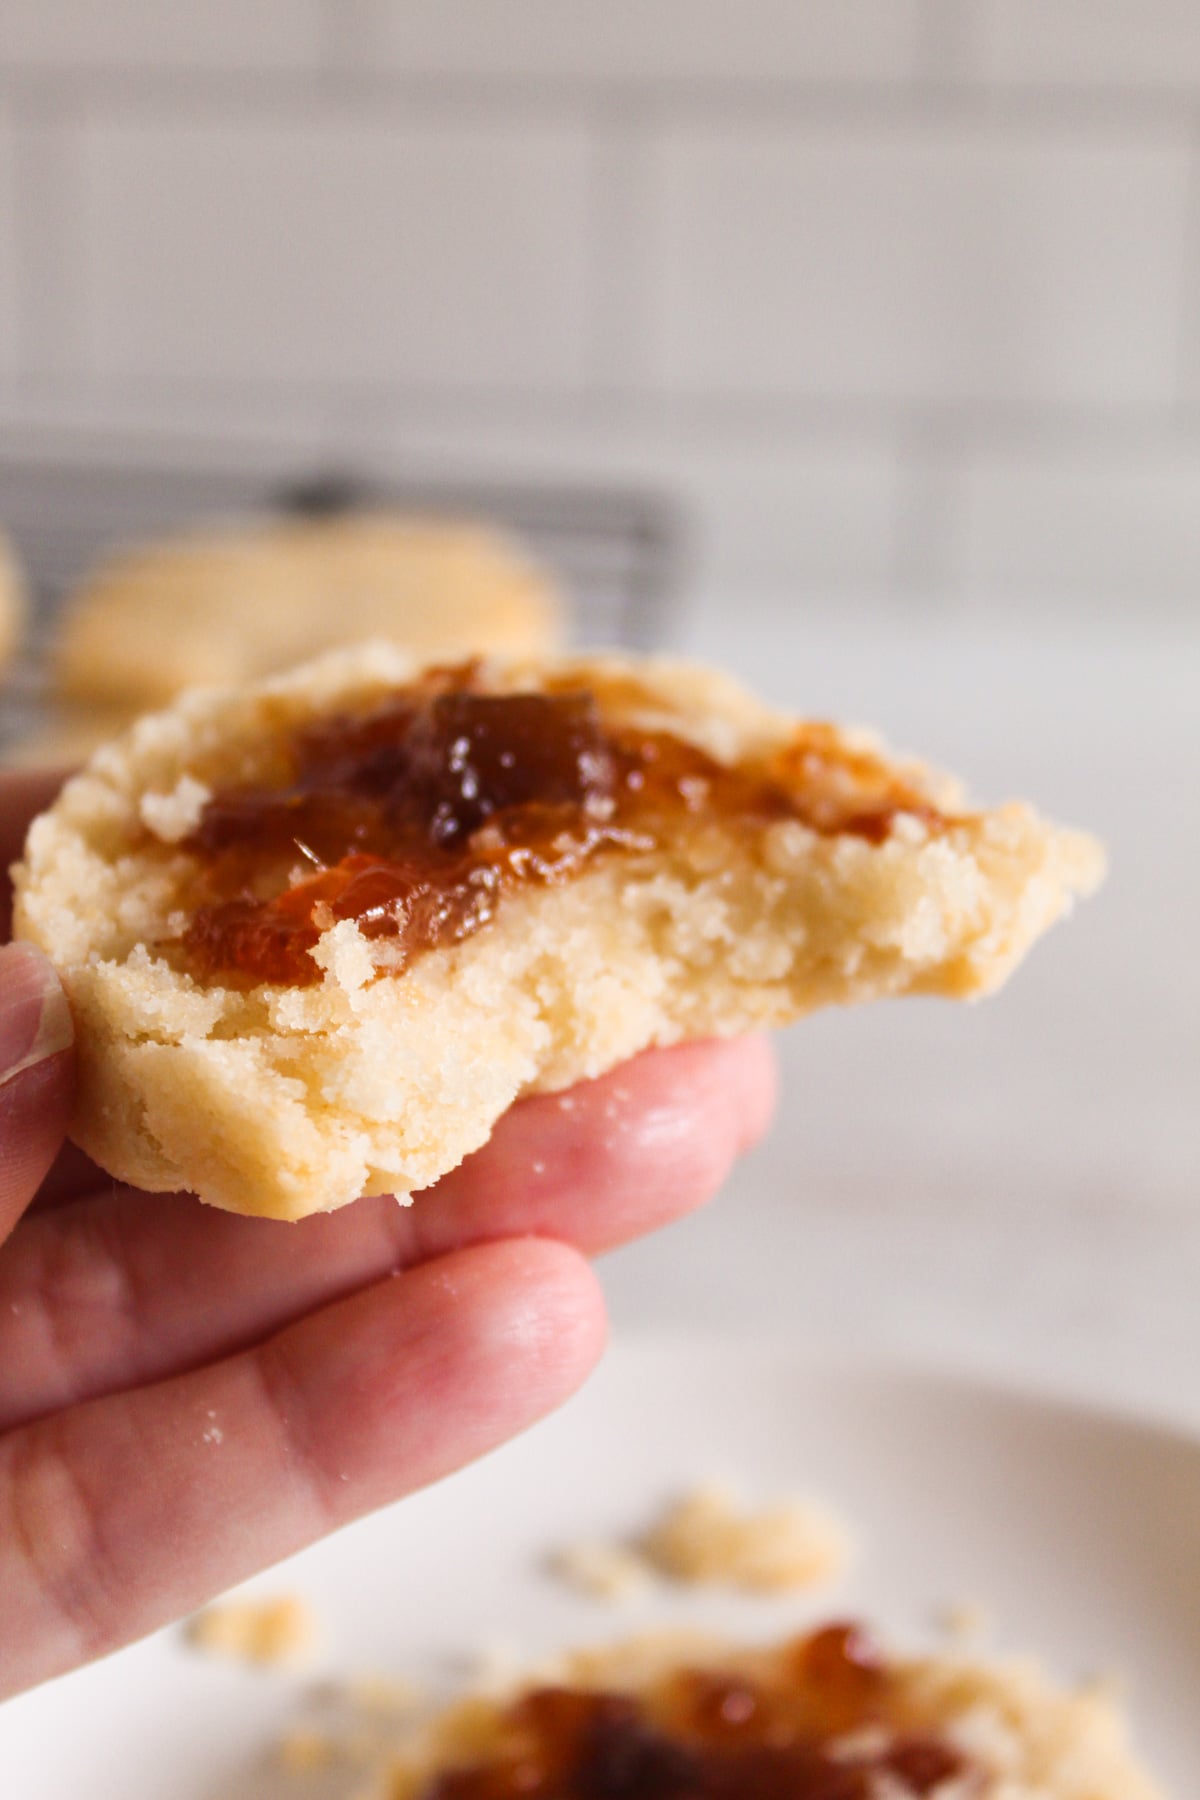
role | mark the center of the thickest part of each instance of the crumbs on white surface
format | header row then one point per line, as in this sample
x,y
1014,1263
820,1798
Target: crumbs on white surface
x,y
269,1633
303,1749
384,1696
603,1571
174,816
350,1732
707,1536
964,1620
493,1665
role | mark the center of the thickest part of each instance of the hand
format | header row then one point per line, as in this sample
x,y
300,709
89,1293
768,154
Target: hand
x,y
186,1396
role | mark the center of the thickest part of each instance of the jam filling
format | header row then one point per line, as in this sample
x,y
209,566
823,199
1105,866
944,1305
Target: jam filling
x,y
822,1727
414,818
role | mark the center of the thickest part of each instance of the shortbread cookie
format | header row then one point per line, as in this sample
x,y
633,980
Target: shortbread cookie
x,y
320,933
12,602
827,1716
231,605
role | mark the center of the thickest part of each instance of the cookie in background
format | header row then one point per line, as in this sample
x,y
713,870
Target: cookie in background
x,y
13,604
223,605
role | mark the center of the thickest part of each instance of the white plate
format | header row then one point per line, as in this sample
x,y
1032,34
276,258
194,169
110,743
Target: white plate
x,y
1079,1531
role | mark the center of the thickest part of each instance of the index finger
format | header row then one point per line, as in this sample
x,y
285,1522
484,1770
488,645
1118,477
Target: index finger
x,y
24,793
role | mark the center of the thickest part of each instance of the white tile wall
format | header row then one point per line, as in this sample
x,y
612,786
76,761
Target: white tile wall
x,y
1107,43
922,262
161,34
899,297
1080,528
760,505
8,254
647,40
53,305
328,248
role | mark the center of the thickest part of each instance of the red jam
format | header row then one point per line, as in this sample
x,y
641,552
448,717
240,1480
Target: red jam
x,y
414,818
819,1728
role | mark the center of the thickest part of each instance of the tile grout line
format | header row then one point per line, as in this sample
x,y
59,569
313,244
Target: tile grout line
x,y
945,89
1066,425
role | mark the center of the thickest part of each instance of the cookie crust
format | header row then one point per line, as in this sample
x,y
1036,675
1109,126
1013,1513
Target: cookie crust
x,y
282,1101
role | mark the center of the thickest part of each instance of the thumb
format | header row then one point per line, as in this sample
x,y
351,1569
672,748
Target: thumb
x,y
36,1068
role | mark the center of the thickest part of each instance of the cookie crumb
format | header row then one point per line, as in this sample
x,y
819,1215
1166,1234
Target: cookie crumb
x,y
613,1572
303,1749
268,1633
706,1537
964,1620
385,1696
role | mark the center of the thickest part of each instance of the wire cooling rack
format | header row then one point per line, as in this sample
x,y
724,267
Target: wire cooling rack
x,y
617,552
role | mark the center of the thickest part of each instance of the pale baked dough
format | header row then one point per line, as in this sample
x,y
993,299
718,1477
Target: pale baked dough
x,y
230,605
283,1101
13,604
1030,1739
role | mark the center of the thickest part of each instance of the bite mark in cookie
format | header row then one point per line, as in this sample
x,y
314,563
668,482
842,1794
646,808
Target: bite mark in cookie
x,y
414,818
320,932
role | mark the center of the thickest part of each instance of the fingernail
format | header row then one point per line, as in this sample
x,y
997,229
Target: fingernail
x,y
35,1020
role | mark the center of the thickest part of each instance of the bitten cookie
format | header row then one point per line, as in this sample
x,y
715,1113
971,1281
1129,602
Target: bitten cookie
x,y
235,604
319,933
827,1716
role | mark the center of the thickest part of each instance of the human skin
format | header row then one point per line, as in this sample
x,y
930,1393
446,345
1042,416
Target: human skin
x,y
187,1395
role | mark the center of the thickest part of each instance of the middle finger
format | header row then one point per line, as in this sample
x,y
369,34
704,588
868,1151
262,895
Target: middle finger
x,y
127,1288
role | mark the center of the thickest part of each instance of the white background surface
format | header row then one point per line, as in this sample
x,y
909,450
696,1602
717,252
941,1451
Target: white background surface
x,y
1016,1185
1075,1533
895,295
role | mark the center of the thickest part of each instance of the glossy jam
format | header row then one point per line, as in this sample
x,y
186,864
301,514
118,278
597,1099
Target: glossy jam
x,y
821,1728
414,818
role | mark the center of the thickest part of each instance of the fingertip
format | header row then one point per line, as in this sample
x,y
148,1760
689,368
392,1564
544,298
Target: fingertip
x,y
35,1019
613,1158
754,1088
36,1070
245,1460
411,1378
677,1120
551,1312
529,1324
